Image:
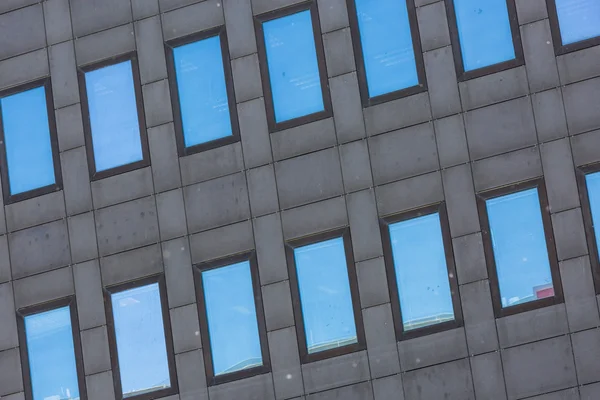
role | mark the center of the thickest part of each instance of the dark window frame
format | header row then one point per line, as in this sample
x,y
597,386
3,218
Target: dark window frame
x,y
211,379
559,47
385,222
112,338
68,301
482,197
327,112
182,150
463,75
87,128
360,61
586,209
57,185
361,343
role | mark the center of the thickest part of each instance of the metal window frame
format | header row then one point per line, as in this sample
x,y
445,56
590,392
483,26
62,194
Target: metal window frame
x,y
57,185
482,197
87,128
175,100
368,101
586,209
559,47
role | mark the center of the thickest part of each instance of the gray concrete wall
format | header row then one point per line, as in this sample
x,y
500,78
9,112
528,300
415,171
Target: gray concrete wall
x,y
541,119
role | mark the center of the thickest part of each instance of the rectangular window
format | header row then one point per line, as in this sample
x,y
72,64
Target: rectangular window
x,y
29,151
325,291
232,319
113,117
51,351
575,24
203,98
485,36
140,337
519,246
293,66
588,178
387,48
421,271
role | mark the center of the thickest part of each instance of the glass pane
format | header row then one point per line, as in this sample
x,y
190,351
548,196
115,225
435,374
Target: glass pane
x,y
421,272
387,45
325,295
484,32
593,188
27,140
202,91
52,355
231,314
113,116
141,345
578,19
519,244
293,67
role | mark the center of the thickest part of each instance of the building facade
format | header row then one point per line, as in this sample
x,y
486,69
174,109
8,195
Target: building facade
x,y
384,224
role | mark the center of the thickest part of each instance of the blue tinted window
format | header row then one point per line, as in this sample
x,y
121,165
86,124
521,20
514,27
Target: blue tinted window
x,y
519,245
421,272
325,295
113,116
231,316
578,19
593,188
202,92
293,67
140,335
51,355
484,32
27,140
387,45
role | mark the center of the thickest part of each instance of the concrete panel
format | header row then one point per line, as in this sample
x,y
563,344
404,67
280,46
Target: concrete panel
x,y
285,363
105,44
130,265
460,200
210,164
389,387
590,392
493,88
339,54
580,100
90,301
240,27
569,234
559,175
433,26
532,325
35,211
478,314
8,331
488,378
372,282
531,10
356,166
277,303
441,80
163,155
381,341
222,242
24,68
186,328
190,376
144,8
303,139
542,72
451,381
76,181
360,391
57,19
82,236
22,31
584,147
257,387
5,274
262,190
262,6
587,355
149,44
580,297
578,65
333,15
246,78
314,218
96,15
100,386
69,125
255,133
409,193
397,114
272,265
194,18
347,108
364,225
44,287
157,103
549,113
335,372
432,349
171,214
94,343
507,169
121,188
469,258
11,380
65,89
178,272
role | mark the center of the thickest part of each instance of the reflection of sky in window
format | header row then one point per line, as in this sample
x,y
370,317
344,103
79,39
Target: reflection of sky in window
x,y
387,45
325,295
519,245
231,314
202,91
51,355
578,19
593,188
27,140
140,335
484,32
421,271
113,116
293,67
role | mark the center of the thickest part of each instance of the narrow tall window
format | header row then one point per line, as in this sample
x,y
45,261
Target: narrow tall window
x,y
324,287
143,360
520,251
588,178
113,117
575,24
29,151
203,99
232,320
421,271
388,49
486,33
51,352
293,66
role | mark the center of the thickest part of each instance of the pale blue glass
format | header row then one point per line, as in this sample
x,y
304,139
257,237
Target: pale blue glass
x,y
421,272
27,140
202,92
113,116
593,189
519,245
578,19
484,32
51,355
140,336
387,45
231,315
293,67
325,295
